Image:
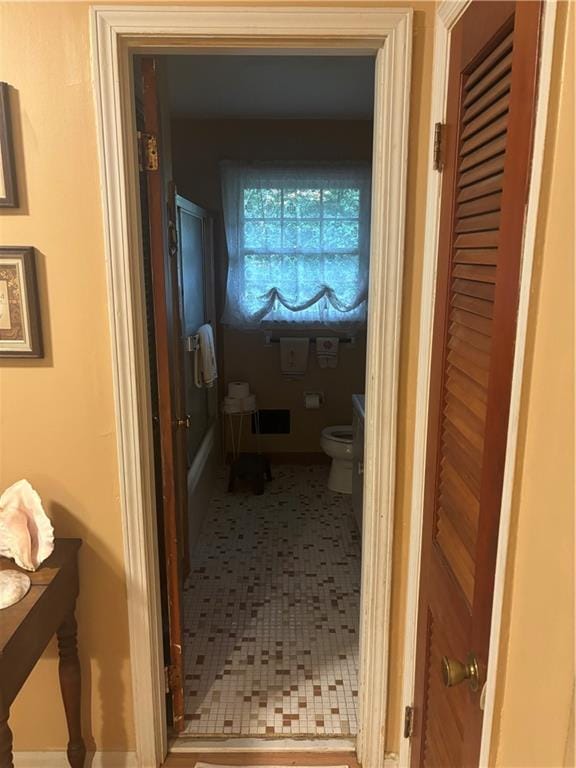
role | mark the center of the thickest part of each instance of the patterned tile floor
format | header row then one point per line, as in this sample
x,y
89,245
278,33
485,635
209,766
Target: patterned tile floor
x,y
271,612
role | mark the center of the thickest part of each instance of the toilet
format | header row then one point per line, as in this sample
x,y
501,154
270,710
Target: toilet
x,y
336,442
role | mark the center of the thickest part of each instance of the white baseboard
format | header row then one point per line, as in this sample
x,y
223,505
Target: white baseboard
x,y
59,760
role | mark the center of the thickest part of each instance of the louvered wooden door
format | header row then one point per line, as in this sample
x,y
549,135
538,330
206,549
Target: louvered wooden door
x,y
491,94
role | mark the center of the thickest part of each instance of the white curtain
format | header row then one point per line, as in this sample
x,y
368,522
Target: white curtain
x,y
298,244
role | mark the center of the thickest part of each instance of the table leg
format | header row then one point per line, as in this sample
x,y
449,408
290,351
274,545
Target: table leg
x,y
5,742
70,685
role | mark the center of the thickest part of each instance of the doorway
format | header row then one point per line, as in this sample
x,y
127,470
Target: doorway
x,y
386,34
275,152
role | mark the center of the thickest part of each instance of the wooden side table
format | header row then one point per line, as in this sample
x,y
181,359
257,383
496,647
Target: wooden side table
x,y
25,630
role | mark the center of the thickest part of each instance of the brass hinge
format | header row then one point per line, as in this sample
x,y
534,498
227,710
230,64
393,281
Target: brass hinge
x,y
184,421
172,238
171,679
147,151
438,160
408,722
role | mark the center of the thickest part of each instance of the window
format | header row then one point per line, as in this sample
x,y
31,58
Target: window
x,y
298,244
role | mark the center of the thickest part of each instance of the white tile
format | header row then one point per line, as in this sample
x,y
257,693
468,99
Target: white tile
x,y
279,573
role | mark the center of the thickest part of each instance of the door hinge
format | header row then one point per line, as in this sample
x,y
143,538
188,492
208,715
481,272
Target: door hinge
x,y
182,422
408,722
147,151
171,679
438,160
172,238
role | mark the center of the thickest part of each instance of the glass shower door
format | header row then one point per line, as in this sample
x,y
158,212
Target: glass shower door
x,y
194,254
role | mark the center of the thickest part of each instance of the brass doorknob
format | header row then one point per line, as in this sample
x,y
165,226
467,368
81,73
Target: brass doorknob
x,y
183,422
455,672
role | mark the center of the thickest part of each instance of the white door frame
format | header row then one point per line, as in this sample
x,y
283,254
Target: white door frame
x,y
447,15
117,32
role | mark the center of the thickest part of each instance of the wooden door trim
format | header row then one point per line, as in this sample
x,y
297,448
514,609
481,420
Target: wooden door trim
x,y
447,16
116,32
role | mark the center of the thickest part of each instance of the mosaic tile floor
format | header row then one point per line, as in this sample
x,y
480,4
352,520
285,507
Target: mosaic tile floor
x,y
271,612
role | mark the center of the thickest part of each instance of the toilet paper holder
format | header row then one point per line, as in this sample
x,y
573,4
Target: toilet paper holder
x,y
312,396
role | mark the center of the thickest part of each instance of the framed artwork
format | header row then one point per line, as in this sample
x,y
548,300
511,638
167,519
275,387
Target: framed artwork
x,y
20,327
8,190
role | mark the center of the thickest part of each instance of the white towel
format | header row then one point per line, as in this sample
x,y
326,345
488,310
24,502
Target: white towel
x,y
294,356
327,351
205,369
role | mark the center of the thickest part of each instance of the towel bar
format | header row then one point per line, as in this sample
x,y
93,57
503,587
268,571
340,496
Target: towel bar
x,y
312,339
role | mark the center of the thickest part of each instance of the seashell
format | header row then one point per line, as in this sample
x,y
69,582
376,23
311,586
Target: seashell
x,y
26,533
14,585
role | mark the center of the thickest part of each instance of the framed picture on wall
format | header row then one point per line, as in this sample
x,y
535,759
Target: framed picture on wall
x,y
20,327
8,190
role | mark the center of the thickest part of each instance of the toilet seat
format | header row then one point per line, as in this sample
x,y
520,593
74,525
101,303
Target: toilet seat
x,y
339,434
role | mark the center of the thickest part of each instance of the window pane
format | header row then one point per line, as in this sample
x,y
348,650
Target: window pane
x,y
302,203
259,234
341,203
256,268
262,203
310,277
302,235
290,232
309,235
340,235
343,272
284,274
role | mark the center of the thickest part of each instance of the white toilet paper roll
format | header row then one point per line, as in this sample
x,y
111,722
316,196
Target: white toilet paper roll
x,y
312,401
232,405
238,389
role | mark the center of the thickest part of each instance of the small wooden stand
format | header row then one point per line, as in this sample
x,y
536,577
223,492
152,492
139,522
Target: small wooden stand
x,y
254,467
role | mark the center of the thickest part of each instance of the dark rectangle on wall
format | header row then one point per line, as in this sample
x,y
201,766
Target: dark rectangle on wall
x,y
271,422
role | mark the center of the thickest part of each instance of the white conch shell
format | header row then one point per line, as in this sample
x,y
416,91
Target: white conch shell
x,y
26,533
14,585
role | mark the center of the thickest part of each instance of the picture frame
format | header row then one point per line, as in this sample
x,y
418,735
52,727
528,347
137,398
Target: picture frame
x,y
20,324
8,187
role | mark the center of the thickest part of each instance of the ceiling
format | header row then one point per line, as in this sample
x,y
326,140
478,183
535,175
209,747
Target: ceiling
x,y
217,86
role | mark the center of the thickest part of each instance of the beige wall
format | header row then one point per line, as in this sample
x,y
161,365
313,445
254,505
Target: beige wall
x,y
56,415
57,421
536,698
197,148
